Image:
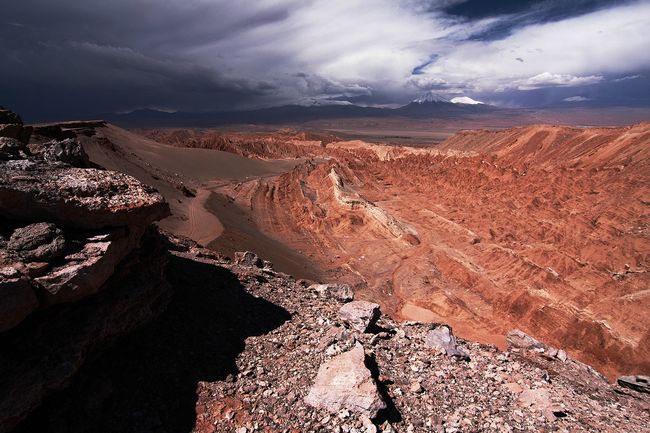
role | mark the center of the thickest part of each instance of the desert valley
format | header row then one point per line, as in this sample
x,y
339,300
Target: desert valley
x,y
397,216
538,228
542,228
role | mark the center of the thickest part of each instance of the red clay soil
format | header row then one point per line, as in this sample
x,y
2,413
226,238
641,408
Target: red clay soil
x,y
541,228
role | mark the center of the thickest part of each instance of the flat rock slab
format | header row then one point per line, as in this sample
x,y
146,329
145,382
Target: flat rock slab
x,y
344,382
442,340
79,197
360,315
85,272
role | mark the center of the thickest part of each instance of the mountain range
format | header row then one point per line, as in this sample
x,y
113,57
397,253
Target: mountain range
x,y
429,105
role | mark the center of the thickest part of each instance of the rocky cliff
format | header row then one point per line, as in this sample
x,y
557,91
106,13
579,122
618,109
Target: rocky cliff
x,y
79,264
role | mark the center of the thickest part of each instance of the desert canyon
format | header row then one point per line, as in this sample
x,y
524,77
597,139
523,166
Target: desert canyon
x,y
164,275
541,227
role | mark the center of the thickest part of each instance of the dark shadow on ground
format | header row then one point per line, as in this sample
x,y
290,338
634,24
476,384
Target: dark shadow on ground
x,y
390,413
241,233
147,382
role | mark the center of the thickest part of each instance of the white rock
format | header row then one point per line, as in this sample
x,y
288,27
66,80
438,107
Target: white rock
x,y
344,383
360,315
442,340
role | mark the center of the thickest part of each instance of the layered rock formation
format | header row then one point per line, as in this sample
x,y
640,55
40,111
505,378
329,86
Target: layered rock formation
x,y
542,228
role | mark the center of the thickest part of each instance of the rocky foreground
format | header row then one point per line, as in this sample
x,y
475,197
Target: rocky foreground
x,y
109,324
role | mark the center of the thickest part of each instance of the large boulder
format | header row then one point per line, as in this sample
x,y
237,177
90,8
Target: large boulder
x,y
344,382
37,242
247,258
360,315
69,151
82,198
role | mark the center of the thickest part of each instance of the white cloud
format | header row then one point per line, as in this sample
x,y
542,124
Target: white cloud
x,y
576,99
546,79
574,51
270,52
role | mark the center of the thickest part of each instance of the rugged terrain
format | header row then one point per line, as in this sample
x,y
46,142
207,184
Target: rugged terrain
x,y
110,323
540,227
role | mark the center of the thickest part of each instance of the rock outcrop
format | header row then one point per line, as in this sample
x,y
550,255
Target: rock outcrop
x,y
68,234
32,190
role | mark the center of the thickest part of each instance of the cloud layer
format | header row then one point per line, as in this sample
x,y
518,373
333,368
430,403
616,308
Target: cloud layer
x,y
74,57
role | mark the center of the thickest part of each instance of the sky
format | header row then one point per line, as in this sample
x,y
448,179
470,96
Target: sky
x,y
67,58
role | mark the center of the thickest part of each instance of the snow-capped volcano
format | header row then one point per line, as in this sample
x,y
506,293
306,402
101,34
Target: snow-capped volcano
x,y
465,100
431,97
434,105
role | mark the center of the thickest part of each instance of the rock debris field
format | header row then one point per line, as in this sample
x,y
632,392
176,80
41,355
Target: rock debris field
x,y
414,380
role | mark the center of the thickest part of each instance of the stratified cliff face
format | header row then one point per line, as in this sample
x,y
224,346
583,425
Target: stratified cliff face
x,y
543,228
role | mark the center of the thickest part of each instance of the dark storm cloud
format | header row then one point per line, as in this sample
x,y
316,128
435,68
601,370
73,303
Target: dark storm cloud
x,y
68,58
65,58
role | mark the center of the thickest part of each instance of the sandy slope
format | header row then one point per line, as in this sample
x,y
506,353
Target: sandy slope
x,y
171,168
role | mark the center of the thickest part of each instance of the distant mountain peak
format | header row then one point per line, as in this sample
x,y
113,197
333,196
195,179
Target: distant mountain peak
x,y
465,100
431,96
